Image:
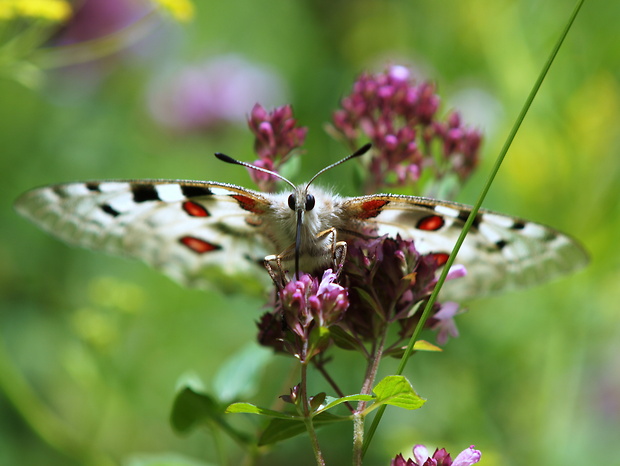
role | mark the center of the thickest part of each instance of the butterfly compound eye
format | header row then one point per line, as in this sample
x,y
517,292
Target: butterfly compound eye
x,y
291,201
310,201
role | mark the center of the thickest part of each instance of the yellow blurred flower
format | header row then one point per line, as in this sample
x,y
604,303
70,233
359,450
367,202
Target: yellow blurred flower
x,y
182,10
50,10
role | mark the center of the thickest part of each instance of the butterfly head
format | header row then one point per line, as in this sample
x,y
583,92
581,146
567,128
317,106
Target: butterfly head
x,y
300,200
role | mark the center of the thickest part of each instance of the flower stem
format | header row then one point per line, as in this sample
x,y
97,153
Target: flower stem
x,y
305,406
369,380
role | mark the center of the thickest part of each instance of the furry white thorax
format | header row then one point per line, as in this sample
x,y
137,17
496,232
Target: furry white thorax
x,y
325,214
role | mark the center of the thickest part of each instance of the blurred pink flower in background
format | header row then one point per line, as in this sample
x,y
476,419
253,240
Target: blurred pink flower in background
x,y
218,91
96,18
102,37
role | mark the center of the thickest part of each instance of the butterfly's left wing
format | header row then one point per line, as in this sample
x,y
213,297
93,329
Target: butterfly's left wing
x,y
500,252
194,231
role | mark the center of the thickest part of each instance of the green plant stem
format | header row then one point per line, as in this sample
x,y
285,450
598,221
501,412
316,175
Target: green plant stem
x,y
474,211
305,408
369,380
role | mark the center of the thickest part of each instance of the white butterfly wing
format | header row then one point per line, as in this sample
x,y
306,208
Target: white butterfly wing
x,y
500,252
190,230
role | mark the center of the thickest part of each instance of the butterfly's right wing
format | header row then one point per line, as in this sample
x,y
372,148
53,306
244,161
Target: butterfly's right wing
x,y
190,230
500,252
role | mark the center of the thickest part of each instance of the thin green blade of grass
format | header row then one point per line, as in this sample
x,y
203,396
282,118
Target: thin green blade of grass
x,y
474,211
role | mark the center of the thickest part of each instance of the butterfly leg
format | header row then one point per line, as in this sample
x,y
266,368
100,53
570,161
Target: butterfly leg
x,y
337,255
338,249
275,269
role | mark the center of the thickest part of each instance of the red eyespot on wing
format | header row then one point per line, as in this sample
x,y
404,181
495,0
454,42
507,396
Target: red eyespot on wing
x,y
195,210
430,223
440,257
198,245
372,208
249,204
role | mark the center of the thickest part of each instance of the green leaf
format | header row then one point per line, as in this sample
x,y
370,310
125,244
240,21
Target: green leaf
x,y
239,376
396,390
316,401
191,408
365,296
420,345
344,340
423,345
282,429
192,380
336,401
249,408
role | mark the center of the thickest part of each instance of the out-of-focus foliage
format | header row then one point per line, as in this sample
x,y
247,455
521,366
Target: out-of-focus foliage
x,y
91,346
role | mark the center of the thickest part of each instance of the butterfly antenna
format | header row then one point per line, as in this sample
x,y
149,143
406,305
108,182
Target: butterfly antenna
x,y
227,159
361,151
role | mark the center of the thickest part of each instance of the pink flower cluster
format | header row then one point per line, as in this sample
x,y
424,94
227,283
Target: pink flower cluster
x,y
440,457
399,116
309,307
277,136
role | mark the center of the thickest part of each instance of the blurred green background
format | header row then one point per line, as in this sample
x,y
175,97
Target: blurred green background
x,y
97,343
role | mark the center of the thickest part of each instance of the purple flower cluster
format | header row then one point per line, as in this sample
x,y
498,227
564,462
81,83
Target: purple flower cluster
x,y
440,457
305,310
385,280
277,136
399,117
388,279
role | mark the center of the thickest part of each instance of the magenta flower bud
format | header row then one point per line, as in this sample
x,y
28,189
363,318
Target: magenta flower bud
x,y
391,142
467,457
399,73
258,113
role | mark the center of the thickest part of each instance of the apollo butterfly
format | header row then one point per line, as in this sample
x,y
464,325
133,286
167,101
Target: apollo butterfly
x,y
189,228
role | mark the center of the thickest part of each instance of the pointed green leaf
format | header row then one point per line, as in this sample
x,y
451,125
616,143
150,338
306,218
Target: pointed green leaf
x,y
316,401
396,390
420,345
344,340
423,345
365,296
191,408
331,402
249,408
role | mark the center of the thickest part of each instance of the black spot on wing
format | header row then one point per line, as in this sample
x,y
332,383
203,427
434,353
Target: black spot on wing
x,y
518,225
501,244
464,214
144,192
195,191
108,209
93,186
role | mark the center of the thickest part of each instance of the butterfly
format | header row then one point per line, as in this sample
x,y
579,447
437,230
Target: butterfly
x,y
197,232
